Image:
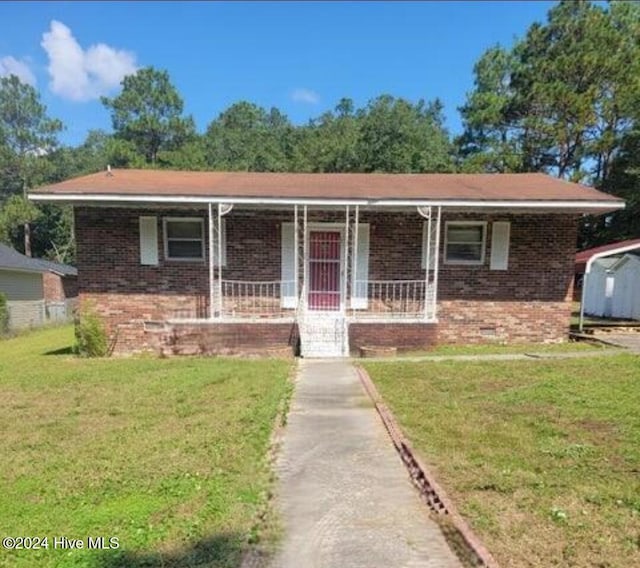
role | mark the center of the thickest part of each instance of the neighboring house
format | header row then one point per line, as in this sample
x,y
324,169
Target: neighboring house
x,y
221,262
613,282
37,290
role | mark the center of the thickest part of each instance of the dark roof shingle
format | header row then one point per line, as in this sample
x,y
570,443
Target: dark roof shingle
x,y
483,187
12,259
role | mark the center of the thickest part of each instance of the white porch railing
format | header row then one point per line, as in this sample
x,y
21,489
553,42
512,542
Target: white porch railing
x,y
242,298
392,299
396,299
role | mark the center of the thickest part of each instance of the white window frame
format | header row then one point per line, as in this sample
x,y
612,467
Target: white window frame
x,y
483,248
165,238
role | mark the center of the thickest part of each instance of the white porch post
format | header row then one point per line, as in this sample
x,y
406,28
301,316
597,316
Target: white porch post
x,y
305,257
354,257
219,241
211,285
427,264
296,255
432,254
346,261
435,264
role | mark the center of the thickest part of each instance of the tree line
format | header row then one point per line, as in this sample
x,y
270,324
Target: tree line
x,y
564,99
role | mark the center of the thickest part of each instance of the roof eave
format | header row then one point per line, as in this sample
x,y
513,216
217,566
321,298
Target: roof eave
x,y
600,206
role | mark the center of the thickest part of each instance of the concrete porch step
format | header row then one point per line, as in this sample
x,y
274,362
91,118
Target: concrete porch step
x,y
323,336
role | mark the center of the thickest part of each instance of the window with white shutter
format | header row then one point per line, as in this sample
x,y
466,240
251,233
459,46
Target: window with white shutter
x,y
465,242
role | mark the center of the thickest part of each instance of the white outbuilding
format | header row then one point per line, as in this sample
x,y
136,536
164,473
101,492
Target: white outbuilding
x,y
625,300
598,293
610,281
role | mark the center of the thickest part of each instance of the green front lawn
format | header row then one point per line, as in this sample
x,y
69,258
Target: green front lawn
x,y
169,456
508,349
542,458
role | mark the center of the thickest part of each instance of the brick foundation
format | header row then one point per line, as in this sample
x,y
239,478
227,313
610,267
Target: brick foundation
x,y
406,337
226,339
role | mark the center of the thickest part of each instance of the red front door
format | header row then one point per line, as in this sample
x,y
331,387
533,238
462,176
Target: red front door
x,y
324,270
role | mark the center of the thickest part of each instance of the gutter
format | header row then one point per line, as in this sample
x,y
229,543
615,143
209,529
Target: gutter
x,y
595,205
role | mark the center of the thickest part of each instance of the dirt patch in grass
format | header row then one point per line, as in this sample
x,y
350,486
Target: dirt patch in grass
x,y
541,457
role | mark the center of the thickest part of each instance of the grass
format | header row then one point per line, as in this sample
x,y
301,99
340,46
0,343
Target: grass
x,y
542,458
500,349
167,455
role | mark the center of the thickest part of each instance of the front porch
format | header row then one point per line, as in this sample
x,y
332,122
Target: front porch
x,y
332,274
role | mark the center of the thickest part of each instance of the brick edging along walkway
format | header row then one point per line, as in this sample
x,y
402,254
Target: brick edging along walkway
x,y
434,496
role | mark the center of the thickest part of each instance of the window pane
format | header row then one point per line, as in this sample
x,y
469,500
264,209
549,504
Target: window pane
x,y
464,252
185,249
184,229
461,234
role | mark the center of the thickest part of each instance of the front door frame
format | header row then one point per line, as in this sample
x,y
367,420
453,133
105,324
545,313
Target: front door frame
x,y
333,228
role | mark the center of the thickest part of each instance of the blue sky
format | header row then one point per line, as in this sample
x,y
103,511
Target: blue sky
x,y
300,57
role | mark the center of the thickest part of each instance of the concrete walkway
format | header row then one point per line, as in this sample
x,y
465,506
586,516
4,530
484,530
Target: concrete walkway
x,y
344,495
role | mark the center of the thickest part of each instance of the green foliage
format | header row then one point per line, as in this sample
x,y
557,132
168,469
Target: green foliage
x,y
246,137
488,143
148,113
27,135
400,137
4,315
91,336
15,212
565,101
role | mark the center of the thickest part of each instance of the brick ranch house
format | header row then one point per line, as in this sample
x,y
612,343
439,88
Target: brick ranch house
x,y
217,262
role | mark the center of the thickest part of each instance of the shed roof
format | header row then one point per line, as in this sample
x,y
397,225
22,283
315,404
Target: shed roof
x,y
419,188
13,260
583,256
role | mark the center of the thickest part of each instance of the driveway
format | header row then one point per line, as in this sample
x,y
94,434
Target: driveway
x,y
344,495
630,340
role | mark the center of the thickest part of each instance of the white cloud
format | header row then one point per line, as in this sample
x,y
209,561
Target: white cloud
x,y
302,95
82,75
12,66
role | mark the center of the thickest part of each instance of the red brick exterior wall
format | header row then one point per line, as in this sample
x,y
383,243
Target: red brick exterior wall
x,y
529,302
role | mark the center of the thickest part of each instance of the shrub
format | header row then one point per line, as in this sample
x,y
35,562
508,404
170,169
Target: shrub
x,y
91,336
4,315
